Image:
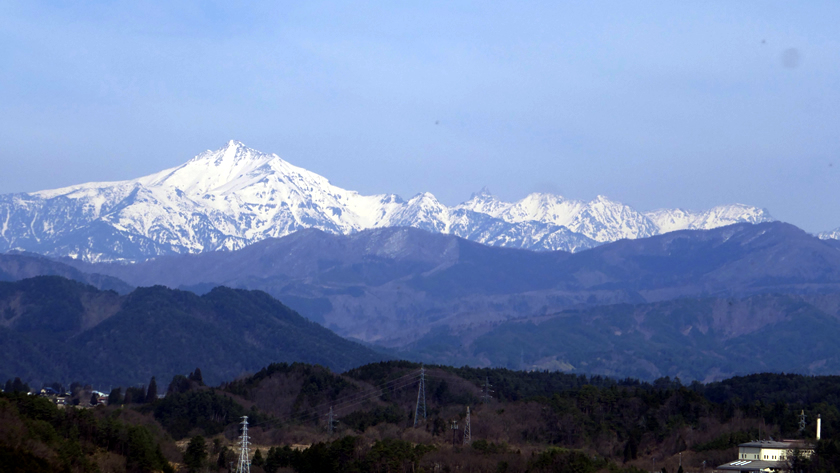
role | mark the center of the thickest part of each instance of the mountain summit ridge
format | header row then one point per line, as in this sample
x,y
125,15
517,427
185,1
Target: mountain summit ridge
x,y
234,196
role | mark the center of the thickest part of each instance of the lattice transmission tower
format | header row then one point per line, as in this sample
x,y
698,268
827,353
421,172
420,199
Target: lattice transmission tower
x,y
331,422
802,422
467,432
244,463
421,397
486,392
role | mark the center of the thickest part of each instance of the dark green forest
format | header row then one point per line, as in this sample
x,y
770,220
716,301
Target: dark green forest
x,y
520,422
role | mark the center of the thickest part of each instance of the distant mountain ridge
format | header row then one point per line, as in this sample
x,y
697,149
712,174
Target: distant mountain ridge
x,y
14,267
391,285
703,339
55,329
235,196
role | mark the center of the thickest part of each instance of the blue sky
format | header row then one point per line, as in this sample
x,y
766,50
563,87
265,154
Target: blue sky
x,y
655,104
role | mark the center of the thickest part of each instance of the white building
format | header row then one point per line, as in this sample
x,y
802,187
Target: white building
x,y
769,455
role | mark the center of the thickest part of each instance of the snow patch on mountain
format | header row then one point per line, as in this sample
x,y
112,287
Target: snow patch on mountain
x,y
830,234
669,220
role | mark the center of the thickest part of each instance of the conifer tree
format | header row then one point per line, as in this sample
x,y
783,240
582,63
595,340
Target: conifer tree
x,y
196,376
151,394
258,458
196,453
19,386
115,397
179,384
221,462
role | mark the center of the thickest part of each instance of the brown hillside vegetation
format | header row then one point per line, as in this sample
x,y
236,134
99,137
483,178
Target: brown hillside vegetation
x,y
530,422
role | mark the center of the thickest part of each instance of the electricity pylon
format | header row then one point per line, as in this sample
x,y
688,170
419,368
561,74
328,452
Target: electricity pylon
x,y
467,433
486,392
421,397
244,464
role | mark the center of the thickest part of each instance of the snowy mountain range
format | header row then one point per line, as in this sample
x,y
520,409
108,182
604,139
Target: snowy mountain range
x,y
830,234
234,196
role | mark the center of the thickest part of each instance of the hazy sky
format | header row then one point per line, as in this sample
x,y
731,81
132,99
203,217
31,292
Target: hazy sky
x,y
660,104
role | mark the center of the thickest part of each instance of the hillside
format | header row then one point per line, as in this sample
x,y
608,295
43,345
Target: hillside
x,y
693,339
54,329
534,421
391,286
531,422
17,266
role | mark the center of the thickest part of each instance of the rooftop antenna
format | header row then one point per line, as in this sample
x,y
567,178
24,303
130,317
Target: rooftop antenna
x,y
421,397
244,464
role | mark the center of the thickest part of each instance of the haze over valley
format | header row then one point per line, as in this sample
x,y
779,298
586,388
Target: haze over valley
x,y
326,237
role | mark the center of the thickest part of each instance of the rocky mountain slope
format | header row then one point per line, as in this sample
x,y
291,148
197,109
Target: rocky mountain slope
x,y
235,196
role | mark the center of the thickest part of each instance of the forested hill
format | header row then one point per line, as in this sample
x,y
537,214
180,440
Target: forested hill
x,y
55,329
17,266
530,422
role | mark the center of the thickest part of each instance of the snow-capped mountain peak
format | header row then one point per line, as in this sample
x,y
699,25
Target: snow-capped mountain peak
x,y
830,234
668,220
222,168
484,202
230,197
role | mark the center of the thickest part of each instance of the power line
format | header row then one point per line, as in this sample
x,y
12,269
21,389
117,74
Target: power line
x,y
350,399
356,398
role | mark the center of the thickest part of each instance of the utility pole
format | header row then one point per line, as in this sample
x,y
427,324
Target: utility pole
x,y
421,397
467,432
244,464
454,428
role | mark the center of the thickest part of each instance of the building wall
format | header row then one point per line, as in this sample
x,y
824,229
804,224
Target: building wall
x,y
766,454
749,453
